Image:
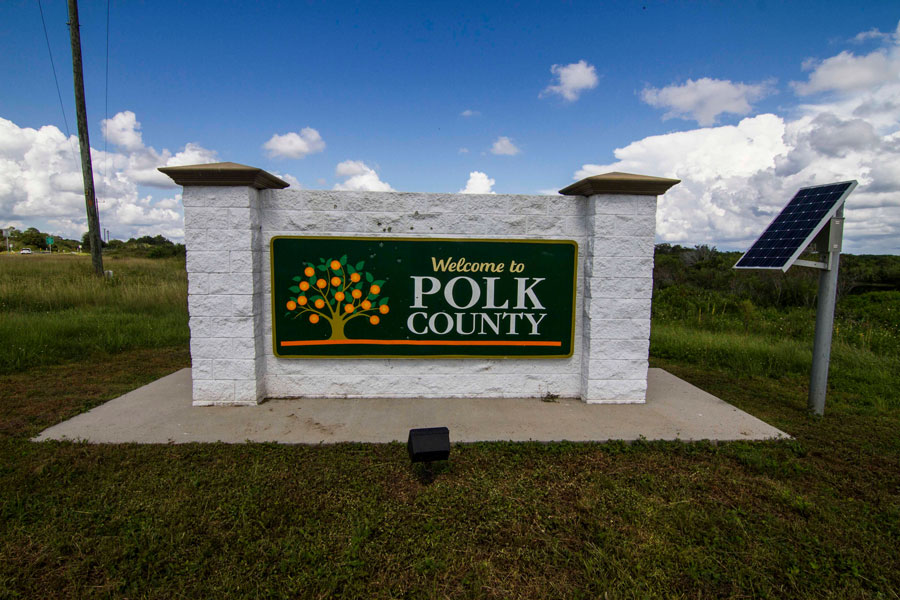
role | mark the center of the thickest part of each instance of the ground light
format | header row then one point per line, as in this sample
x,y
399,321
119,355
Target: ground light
x,y
428,444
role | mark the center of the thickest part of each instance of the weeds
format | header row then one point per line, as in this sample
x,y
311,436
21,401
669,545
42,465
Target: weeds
x,y
55,309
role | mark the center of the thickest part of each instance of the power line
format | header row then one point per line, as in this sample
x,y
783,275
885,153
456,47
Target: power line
x,y
53,66
106,106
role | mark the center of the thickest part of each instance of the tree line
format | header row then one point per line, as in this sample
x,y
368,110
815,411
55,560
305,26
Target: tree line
x,y
148,246
706,268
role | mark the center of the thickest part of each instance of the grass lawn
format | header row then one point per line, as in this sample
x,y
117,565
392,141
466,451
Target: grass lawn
x,y
815,517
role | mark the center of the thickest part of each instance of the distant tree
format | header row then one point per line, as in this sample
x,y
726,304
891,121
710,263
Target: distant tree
x,y
156,240
86,242
33,238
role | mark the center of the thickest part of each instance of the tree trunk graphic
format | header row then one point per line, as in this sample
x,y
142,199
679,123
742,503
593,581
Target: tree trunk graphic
x,y
336,291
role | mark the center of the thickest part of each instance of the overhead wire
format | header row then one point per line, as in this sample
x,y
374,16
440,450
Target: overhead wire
x,y
106,104
55,78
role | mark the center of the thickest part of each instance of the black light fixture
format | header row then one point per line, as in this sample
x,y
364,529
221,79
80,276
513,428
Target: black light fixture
x,y
428,444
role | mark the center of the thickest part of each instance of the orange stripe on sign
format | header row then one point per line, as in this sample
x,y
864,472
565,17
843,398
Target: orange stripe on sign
x,y
418,343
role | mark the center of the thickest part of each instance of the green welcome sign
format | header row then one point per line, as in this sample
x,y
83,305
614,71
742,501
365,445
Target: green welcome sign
x,y
422,298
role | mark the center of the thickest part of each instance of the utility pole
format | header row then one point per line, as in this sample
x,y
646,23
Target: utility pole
x,y
87,171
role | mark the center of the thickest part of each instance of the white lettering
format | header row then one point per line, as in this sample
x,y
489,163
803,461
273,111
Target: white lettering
x,y
523,291
432,323
411,326
489,302
459,323
495,324
418,292
512,321
534,324
473,298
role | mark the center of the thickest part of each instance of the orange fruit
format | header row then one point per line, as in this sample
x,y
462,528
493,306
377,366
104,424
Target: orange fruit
x,y
336,265
321,283
366,305
354,277
304,286
291,305
356,294
374,289
383,309
339,296
335,281
319,303
308,271
374,320
348,308
301,300
313,318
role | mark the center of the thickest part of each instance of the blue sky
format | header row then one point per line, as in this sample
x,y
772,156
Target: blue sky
x,y
743,101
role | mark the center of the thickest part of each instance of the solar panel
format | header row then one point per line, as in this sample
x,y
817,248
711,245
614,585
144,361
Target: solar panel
x,y
798,224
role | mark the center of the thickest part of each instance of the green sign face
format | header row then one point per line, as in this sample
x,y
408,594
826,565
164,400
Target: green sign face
x,y
422,298
49,241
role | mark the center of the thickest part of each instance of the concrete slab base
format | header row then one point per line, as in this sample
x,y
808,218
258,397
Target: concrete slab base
x,y
161,413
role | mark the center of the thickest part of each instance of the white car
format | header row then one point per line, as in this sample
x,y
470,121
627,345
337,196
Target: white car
x,y
25,251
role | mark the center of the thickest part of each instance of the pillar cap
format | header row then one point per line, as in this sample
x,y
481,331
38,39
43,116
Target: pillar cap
x,y
620,183
223,174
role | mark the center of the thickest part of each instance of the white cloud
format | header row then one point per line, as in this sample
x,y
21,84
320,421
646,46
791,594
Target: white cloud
x,y
293,181
478,183
736,178
469,113
463,150
848,72
872,34
295,145
504,146
141,165
123,130
359,177
705,99
572,80
41,184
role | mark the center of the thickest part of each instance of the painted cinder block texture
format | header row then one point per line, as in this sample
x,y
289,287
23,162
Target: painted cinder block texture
x,y
326,213
227,234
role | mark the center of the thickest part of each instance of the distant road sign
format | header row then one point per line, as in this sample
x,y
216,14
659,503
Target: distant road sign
x,y
49,241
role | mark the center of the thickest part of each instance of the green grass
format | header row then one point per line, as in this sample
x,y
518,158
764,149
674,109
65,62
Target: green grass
x,y
714,330
865,378
814,517
55,309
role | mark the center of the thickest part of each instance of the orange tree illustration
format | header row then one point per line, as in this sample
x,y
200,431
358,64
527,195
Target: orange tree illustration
x,y
337,292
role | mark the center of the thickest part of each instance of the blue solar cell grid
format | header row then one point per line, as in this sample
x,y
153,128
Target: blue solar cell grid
x,y
791,230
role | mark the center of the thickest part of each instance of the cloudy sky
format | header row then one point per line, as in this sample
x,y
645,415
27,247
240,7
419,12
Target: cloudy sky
x,y
745,102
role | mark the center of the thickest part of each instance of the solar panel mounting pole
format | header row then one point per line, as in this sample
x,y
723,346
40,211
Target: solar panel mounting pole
x,y
815,215
830,243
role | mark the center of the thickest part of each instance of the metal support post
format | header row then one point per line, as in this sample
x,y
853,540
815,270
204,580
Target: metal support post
x,y
828,280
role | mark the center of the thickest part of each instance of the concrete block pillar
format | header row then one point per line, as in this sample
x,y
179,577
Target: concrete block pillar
x,y
618,283
225,279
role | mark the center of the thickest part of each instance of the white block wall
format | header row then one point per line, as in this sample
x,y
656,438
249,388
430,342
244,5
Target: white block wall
x,y
227,233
